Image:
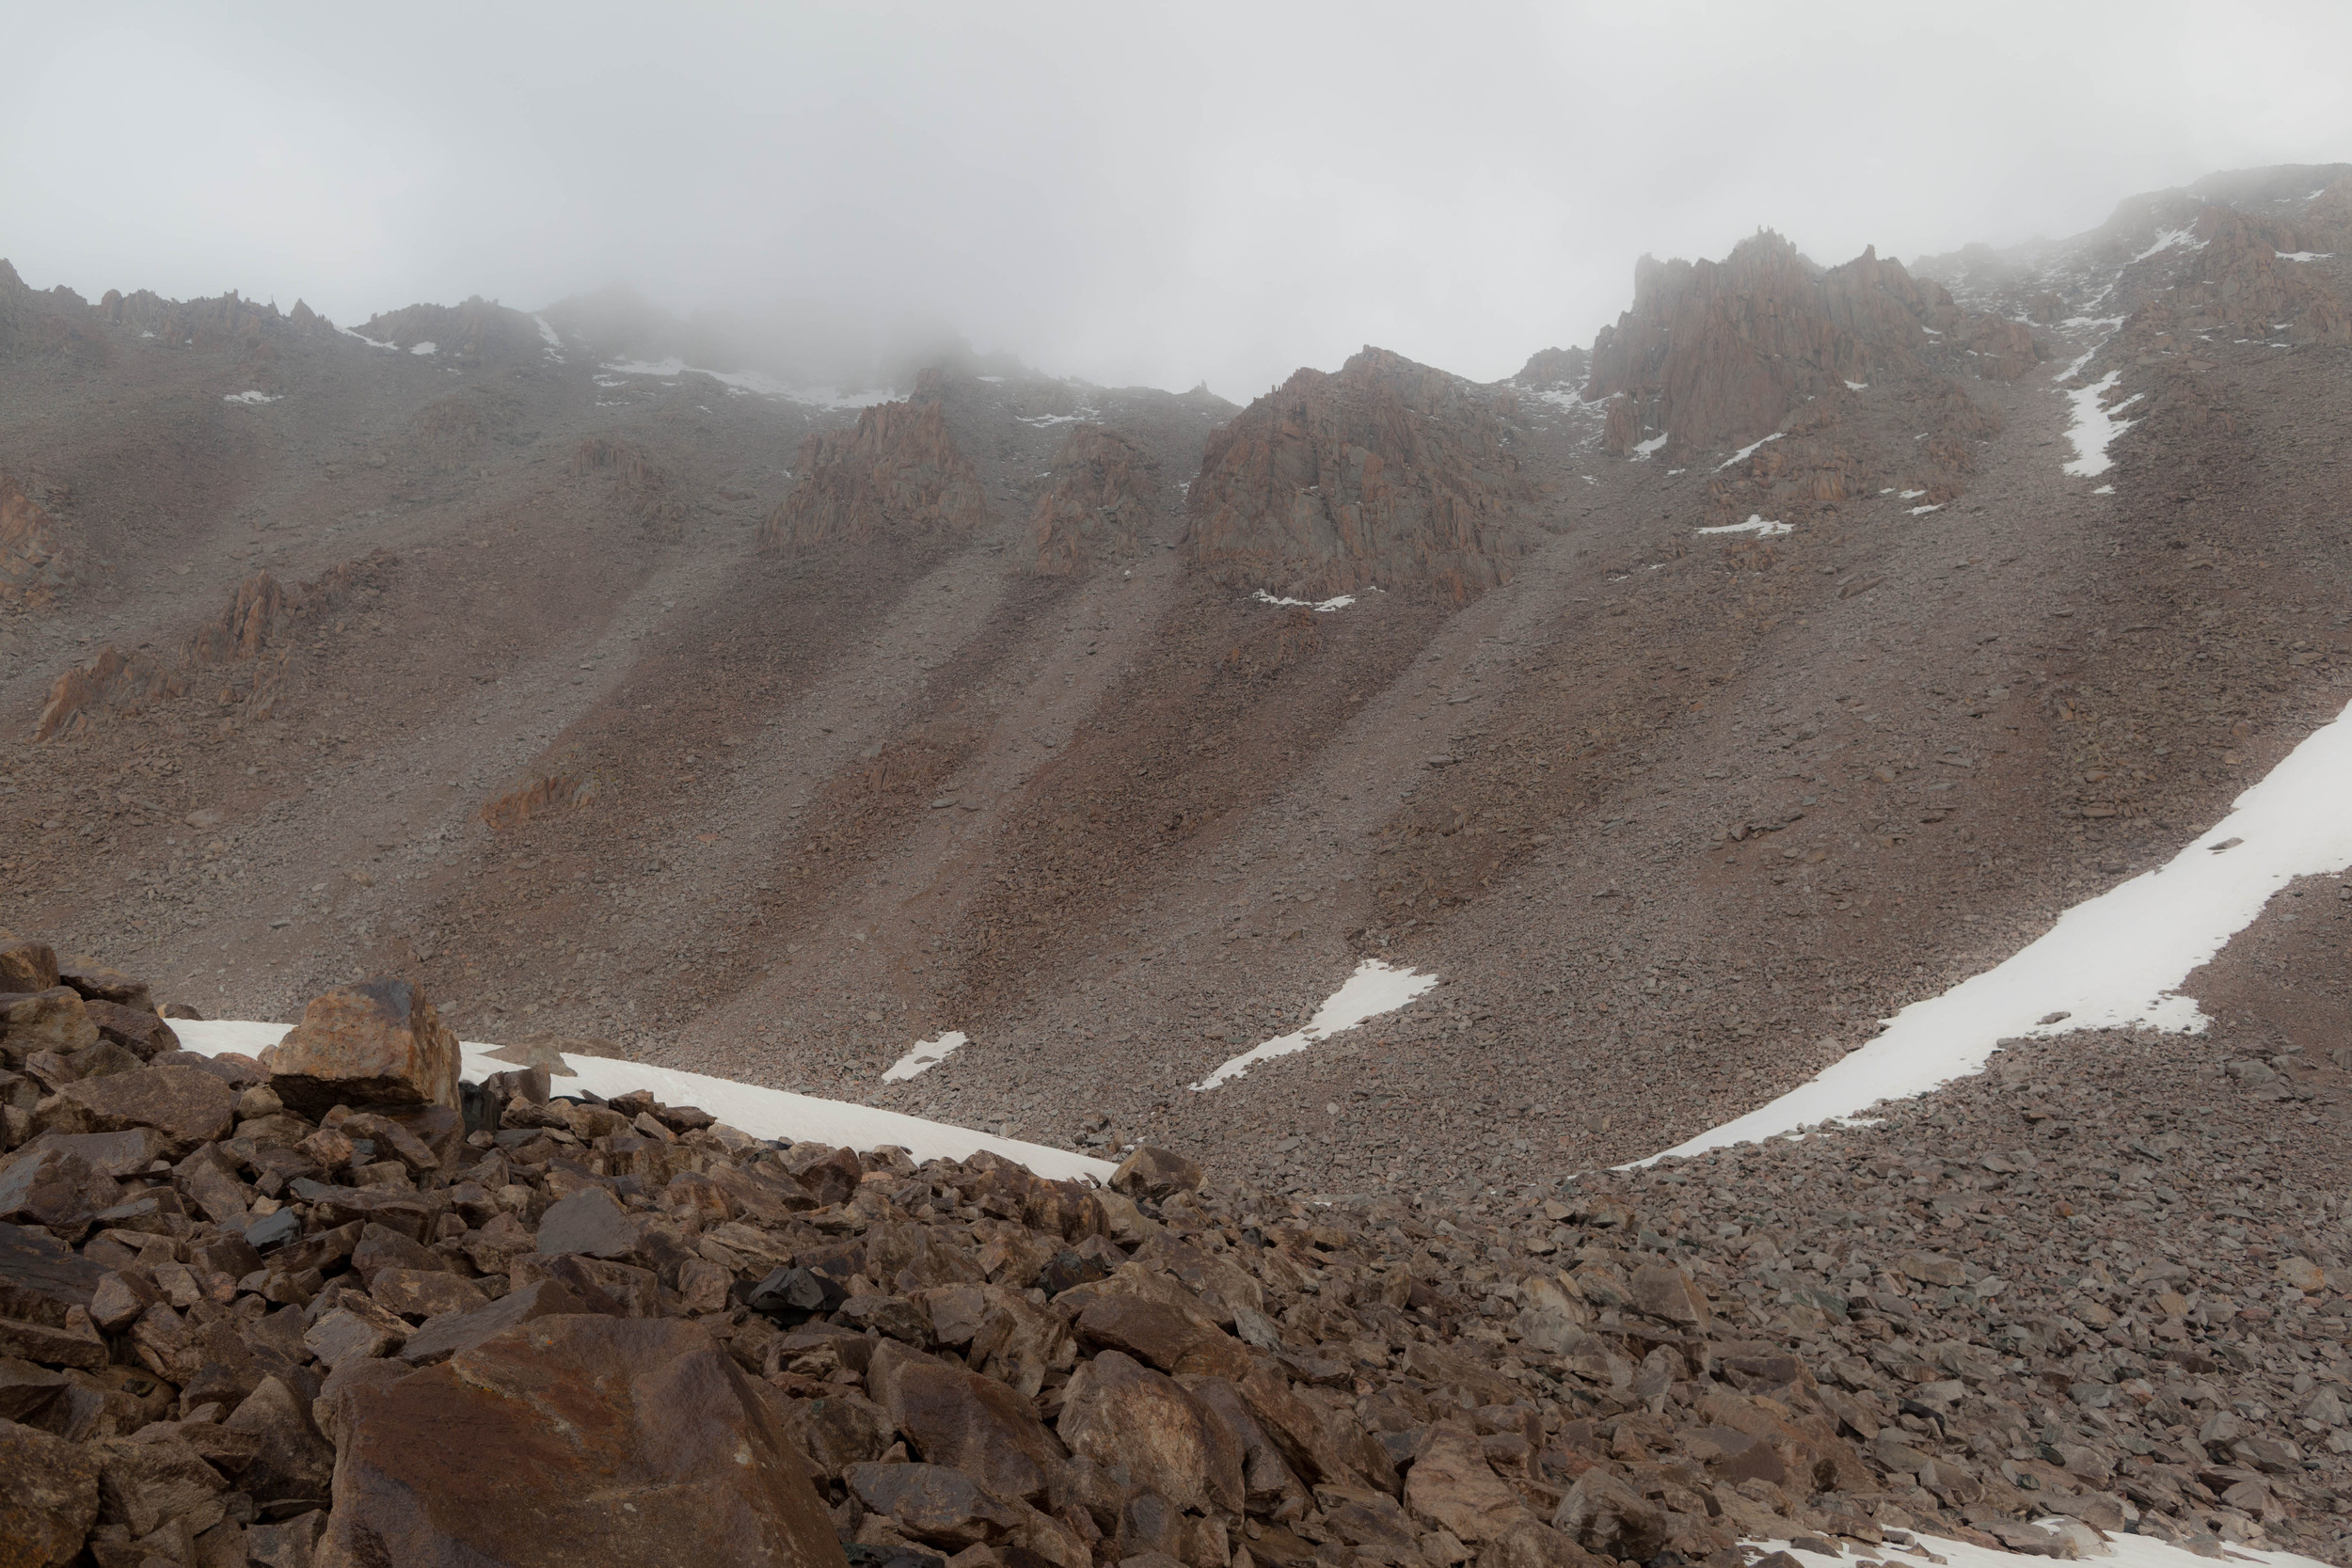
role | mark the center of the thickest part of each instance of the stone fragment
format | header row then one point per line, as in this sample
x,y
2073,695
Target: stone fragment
x,y
1662,1291
49,1499
933,1504
374,1044
291,1462
443,1336
1932,1268
1604,1514
55,1019
1155,1174
41,1279
1452,1486
479,1460
138,1030
964,1420
1116,1410
50,1187
423,1293
588,1221
28,966
187,1105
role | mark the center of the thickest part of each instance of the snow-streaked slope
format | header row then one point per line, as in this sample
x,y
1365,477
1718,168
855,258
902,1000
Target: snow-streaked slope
x,y
763,1113
2121,1551
2109,962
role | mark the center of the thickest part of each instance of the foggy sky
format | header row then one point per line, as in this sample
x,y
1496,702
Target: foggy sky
x,y
1132,195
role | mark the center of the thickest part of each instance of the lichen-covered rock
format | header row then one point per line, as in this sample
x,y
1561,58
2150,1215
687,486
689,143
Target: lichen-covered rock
x,y
376,1043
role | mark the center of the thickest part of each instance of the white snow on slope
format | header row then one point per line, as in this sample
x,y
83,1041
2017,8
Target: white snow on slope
x,y
925,1055
2169,238
428,346
1649,447
1753,447
762,1113
372,342
2093,428
1321,606
1757,524
2303,255
2110,962
249,397
1372,989
2122,1551
554,338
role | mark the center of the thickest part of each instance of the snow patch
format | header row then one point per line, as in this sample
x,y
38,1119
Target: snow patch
x,y
347,332
425,347
1923,511
2169,238
1322,607
250,397
2110,962
2104,490
1372,989
1756,524
554,338
2093,428
762,1113
1650,447
925,1055
2303,255
1749,451
2119,1551
1857,386
754,382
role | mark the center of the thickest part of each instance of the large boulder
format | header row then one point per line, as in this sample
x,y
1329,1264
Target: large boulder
x,y
1118,1411
964,1420
572,1441
50,1499
187,1104
53,1018
375,1043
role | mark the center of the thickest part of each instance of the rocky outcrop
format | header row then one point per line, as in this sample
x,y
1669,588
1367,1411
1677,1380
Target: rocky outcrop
x,y
1098,502
480,332
897,475
36,565
1555,366
1387,474
641,484
244,650
1719,354
57,323
2242,279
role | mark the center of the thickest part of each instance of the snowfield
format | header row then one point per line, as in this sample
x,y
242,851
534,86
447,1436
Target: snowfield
x,y
2114,962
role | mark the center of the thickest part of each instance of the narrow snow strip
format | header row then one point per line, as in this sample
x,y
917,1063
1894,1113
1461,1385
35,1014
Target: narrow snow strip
x,y
1923,511
1323,606
1757,524
762,1113
1753,447
2093,428
250,397
2109,962
2122,1551
2169,238
554,338
372,342
751,381
2303,255
926,1055
1372,989
428,346
1649,447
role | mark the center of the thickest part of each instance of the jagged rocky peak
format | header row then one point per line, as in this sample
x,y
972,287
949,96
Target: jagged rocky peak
x,y
896,474
1388,474
1555,366
1099,504
480,331
1716,353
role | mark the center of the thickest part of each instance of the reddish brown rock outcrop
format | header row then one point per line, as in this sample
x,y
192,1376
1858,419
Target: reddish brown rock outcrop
x,y
896,475
376,1043
1717,353
36,564
2244,281
1556,367
1099,502
250,636
1388,474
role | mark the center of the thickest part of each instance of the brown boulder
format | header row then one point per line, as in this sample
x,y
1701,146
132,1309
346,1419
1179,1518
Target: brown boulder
x,y
41,1280
481,1460
291,1461
53,1018
1452,1486
933,1504
444,1336
1156,1173
50,1499
98,983
187,1105
1604,1514
1662,1291
375,1043
964,1420
52,1188
1116,1410
28,966
588,1221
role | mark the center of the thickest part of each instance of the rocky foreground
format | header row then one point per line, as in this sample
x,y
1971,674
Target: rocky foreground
x,y
336,1306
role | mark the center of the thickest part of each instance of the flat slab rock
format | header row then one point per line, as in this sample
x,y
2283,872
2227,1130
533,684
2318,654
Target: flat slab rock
x,y
574,1440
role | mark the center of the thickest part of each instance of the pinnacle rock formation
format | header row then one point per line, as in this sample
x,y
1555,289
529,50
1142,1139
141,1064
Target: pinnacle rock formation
x,y
1556,367
36,564
1718,354
896,475
1099,501
1387,474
